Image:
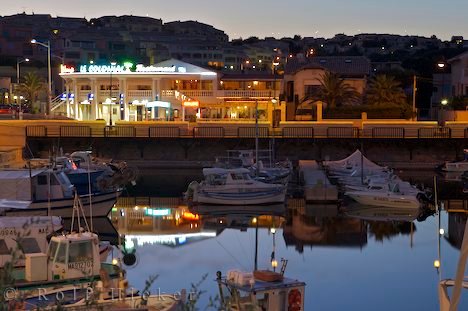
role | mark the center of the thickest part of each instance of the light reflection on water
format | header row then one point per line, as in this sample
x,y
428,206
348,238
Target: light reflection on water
x,y
363,260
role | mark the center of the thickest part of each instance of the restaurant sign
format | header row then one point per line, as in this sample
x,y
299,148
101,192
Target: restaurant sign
x,y
122,69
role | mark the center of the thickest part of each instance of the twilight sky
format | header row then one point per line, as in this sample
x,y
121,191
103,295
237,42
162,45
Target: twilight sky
x,y
244,18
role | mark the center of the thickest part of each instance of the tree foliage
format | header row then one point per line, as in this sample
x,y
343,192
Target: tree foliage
x,y
384,90
334,91
32,86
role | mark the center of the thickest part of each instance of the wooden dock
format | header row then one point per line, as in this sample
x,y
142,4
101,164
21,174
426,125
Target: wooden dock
x,y
317,187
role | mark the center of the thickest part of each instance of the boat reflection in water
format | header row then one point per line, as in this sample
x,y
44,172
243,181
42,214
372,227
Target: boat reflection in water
x,y
145,220
310,225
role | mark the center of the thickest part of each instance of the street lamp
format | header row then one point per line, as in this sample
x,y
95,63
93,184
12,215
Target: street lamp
x,y
18,62
110,94
47,45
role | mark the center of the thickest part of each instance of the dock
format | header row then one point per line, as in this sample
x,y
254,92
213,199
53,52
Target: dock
x,y
317,187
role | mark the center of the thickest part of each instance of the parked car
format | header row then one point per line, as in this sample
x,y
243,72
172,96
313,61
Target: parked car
x,y
6,109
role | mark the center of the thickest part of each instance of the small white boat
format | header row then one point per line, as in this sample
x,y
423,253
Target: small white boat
x,y
393,197
461,166
457,166
234,187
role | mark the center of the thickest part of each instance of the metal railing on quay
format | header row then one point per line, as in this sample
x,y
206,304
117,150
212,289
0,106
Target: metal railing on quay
x,y
120,131
75,131
342,132
208,132
240,131
297,132
250,132
434,132
163,132
388,132
36,131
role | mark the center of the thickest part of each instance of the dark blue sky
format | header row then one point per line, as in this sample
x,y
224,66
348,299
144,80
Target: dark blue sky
x,y
244,18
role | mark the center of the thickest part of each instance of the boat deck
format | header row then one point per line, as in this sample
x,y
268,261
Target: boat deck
x,y
18,275
261,286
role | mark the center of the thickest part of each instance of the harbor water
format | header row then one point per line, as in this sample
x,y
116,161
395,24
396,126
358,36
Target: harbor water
x,y
350,257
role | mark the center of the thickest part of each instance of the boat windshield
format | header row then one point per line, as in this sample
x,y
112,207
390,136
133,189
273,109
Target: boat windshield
x,y
216,179
240,176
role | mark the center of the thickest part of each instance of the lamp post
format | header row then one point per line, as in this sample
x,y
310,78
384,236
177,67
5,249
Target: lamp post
x,y
110,95
47,45
274,101
18,62
444,101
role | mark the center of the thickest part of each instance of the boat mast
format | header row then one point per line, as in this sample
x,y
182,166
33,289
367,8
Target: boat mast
x,y
256,139
89,192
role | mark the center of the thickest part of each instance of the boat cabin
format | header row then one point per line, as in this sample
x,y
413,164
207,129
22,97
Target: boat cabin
x,y
219,176
73,256
34,185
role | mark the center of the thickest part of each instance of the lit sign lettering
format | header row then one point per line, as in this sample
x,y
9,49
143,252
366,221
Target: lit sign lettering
x,y
128,68
191,104
105,68
65,69
142,68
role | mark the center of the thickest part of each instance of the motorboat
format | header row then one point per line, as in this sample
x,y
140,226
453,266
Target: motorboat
x,y
457,166
393,197
27,235
48,192
234,187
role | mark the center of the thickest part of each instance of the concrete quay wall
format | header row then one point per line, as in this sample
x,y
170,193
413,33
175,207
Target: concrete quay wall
x,y
417,153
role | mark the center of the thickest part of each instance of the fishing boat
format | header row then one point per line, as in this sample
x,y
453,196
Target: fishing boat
x,y
260,290
392,197
234,187
49,192
72,261
27,235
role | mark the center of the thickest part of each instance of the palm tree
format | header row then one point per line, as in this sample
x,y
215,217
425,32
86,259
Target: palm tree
x,y
31,87
385,90
333,91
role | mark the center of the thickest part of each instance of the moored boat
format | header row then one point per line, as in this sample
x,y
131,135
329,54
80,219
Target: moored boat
x,y
47,190
392,197
234,187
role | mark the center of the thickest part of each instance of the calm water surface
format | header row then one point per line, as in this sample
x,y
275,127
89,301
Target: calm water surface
x,y
348,263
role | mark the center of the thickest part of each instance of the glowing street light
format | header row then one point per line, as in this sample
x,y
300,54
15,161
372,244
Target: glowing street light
x,y
47,45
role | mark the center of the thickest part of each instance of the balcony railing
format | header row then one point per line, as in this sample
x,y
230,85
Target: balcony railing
x,y
139,94
248,93
103,94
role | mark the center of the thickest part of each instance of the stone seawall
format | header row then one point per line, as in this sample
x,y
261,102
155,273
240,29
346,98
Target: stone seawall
x,y
418,153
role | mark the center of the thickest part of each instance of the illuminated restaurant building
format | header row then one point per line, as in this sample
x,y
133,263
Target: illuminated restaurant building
x,y
171,90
